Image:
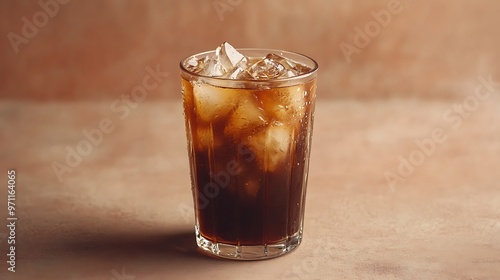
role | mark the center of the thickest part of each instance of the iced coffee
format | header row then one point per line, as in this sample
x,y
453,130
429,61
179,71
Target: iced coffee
x,y
249,118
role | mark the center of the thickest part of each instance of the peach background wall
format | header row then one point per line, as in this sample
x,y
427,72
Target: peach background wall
x,y
92,50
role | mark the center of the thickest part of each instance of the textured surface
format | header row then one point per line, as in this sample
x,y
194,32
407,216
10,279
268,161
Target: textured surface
x,y
126,207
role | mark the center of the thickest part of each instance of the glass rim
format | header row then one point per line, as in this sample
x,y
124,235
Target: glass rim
x,y
283,53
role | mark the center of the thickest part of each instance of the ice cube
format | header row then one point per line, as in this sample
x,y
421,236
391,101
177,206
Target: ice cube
x,y
274,66
239,72
290,73
271,146
300,69
227,62
205,138
247,115
295,99
192,64
287,105
213,102
289,65
267,69
292,68
196,65
228,56
224,61
213,68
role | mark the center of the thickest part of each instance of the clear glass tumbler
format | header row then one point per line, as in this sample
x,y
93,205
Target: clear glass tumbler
x,y
249,143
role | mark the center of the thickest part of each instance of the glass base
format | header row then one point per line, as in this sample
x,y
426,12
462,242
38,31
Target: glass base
x,y
244,252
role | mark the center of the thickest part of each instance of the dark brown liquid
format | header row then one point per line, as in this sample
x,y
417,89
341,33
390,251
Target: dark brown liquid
x,y
248,180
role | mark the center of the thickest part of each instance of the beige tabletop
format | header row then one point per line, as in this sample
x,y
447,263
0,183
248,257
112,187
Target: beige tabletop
x,y
123,209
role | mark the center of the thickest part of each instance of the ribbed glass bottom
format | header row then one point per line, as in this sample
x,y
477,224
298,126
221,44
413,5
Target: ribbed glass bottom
x,y
243,252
